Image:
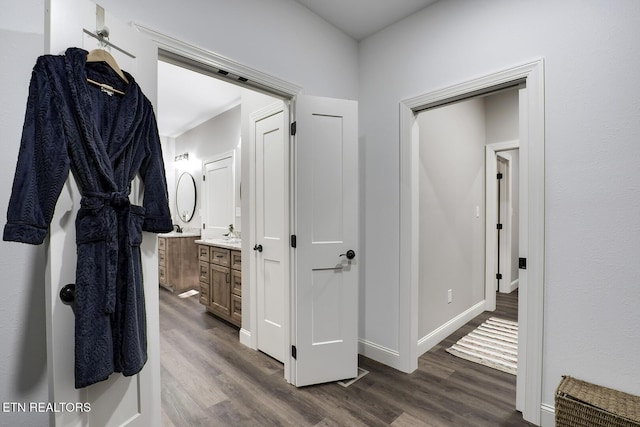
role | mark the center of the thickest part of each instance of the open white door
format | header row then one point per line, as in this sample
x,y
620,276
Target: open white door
x,y
122,401
270,137
326,222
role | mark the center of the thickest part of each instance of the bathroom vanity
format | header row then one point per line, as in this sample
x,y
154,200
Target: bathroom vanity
x,y
178,261
220,278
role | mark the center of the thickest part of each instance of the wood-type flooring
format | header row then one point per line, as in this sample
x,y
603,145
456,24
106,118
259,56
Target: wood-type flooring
x,y
210,379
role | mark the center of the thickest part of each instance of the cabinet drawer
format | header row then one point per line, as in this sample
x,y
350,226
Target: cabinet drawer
x,y
236,310
236,283
162,243
219,256
203,253
162,258
204,293
236,260
162,275
204,272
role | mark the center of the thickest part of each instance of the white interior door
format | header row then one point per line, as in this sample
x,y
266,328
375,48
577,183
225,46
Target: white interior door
x,y
272,228
326,219
218,197
122,401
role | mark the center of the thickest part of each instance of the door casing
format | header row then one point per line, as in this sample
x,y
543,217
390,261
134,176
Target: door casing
x,y
491,153
193,57
532,130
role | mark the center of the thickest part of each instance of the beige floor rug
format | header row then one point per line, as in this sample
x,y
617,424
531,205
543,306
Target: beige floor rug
x,y
493,344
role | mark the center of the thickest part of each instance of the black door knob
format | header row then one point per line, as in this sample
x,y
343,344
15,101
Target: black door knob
x,y
351,254
257,248
68,293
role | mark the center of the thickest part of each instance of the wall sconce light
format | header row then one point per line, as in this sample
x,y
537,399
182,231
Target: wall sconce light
x,y
183,156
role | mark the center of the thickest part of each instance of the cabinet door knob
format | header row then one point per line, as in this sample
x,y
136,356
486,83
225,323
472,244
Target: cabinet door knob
x,y
257,248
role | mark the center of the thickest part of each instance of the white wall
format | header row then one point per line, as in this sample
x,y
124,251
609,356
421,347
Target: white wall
x,y
23,370
592,60
278,37
452,180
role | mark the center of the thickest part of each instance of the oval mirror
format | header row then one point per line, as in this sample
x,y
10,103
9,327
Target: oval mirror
x,y
186,197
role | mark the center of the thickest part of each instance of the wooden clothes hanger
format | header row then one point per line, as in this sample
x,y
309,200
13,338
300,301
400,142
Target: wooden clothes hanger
x,y
101,55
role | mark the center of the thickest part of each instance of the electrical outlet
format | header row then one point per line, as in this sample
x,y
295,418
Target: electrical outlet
x,y
449,296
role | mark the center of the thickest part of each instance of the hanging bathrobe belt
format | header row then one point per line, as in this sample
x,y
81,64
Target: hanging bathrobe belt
x,y
115,199
119,205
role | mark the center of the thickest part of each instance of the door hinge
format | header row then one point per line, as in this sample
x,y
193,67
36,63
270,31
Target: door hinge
x,y
499,226
293,128
499,276
204,177
499,175
522,263
294,352
203,226
294,242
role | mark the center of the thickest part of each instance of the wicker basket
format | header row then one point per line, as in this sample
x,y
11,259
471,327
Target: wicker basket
x,y
580,404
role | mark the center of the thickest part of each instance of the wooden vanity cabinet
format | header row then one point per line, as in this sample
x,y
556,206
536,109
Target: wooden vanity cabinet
x,y
177,263
220,279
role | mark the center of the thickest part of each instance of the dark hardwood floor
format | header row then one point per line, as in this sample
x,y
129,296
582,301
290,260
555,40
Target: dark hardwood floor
x,y
210,379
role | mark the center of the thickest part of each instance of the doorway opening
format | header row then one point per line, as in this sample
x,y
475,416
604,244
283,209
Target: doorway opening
x,y
216,145
503,215
528,79
325,136
459,218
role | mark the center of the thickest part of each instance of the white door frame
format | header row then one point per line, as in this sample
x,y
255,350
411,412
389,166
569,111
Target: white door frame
x,y
491,243
532,137
209,63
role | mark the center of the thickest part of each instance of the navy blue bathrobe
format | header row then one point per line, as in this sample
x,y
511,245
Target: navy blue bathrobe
x,y
105,141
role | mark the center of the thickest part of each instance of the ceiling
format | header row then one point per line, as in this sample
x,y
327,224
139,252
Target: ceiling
x,y
361,18
187,99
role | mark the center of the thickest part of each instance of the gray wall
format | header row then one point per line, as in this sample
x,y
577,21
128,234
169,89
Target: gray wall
x,y
451,188
592,236
452,178
216,136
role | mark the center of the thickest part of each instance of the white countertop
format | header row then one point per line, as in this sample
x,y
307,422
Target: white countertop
x,y
227,244
183,234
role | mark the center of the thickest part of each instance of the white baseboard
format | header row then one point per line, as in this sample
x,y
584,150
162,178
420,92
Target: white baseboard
x,y
547,415
507,289
379,353
429,341
245,338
